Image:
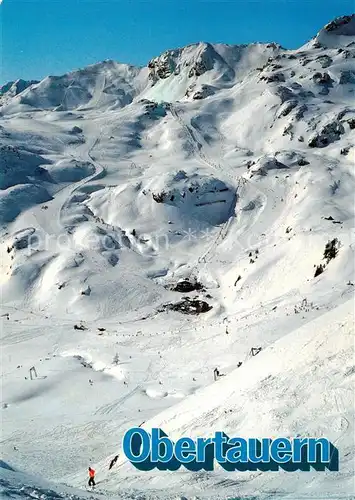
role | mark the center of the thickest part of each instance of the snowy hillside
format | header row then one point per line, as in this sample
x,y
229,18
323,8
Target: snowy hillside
x,y
157,223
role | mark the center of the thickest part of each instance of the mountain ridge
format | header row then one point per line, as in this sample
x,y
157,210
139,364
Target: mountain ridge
x,y
199,57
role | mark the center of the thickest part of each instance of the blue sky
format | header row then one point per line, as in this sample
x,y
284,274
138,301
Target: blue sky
x,y
41,37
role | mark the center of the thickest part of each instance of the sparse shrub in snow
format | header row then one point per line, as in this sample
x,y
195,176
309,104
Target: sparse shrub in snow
x,y
330,252
319,270
345,151
331,249
304,306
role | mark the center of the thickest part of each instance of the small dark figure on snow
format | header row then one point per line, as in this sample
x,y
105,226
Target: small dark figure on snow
x,y
255,350
113,461
217,374
91,477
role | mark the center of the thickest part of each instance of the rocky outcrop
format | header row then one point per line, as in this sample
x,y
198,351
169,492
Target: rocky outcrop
x,y
264,165
16,87
186,286
286,108
343,25
325,61
204,63
192,61
284,93
163,66
273,78
347,76
322,79
199,92
188,306
328,134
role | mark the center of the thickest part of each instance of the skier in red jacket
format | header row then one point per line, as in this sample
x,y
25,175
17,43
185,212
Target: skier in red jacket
x,y
91,477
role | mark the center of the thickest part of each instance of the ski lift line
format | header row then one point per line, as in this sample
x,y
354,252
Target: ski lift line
x,y
225,227
211,164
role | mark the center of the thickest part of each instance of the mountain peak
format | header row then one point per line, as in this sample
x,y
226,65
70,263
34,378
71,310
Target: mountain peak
x,y
343,25
337,33
16,87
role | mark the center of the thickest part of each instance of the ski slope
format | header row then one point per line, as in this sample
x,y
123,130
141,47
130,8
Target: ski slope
x,y
231,167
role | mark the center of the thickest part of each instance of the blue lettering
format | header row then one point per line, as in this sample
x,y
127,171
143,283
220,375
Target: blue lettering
x,y
185,450
281,450
136,445
202,443
259,451
162,447
298,444
219,440
238,452
324,449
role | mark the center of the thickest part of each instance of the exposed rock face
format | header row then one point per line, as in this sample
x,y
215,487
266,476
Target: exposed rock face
x,y
205,63
286,108
186,286
325,61
273,77
196,194
343,25
264,164
155,110
16,87
76,130
347,76
300,112
328,134
322,79
284,93
193,61
189,306
163,66
199,92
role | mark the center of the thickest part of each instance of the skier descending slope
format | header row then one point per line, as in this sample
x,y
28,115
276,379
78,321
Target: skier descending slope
x,y
91,477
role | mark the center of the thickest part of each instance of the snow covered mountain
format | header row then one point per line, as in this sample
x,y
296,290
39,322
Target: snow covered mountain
x,y
159,222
